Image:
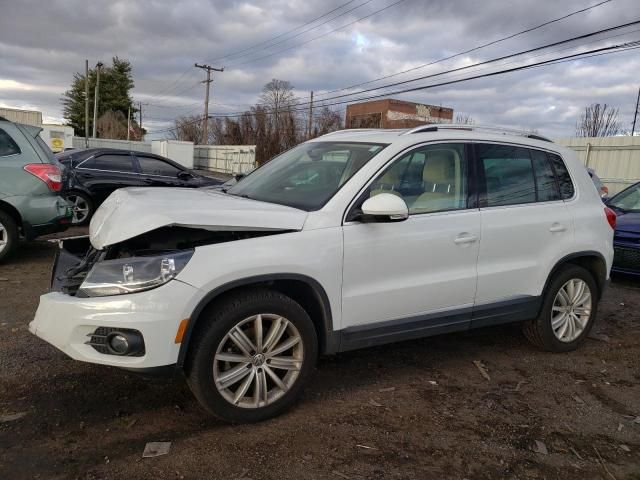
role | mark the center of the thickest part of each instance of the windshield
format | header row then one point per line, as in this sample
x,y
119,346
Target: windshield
x,y
308,175
628,200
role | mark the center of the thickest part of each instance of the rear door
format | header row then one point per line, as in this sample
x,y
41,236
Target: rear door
x,y
526,228
106,172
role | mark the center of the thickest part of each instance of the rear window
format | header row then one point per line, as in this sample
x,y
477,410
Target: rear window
x,y
508,175
564,179
7,145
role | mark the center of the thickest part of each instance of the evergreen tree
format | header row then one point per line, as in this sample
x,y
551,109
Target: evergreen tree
x,y
116,83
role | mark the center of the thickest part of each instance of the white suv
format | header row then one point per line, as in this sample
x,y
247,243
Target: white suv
x,y
356,238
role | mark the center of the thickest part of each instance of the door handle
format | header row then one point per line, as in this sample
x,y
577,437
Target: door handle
x,y
557,227
465,238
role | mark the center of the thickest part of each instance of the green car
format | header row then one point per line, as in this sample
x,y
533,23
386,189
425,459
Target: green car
x,y
30,184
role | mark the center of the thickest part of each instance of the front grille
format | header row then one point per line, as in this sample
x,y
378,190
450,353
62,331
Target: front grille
x,y
626,258
98,339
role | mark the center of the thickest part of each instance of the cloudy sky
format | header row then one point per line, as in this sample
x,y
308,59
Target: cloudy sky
x,y
43,42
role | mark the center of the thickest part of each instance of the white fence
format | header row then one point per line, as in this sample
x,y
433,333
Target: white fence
x,y
78,142
230,159
616,160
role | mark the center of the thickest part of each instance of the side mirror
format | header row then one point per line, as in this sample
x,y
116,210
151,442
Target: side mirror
x,y
184,175
384,207
239,176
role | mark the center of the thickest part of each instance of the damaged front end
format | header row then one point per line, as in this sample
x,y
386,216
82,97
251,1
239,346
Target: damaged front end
x,y
137,264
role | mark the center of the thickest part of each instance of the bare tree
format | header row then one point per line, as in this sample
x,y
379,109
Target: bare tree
x,y
327,121
188,129
598,120
277,97
464,119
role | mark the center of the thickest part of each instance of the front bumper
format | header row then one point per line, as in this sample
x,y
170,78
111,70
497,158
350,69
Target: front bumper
x,y
67,322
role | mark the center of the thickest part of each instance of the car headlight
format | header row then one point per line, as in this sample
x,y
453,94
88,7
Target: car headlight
x,y
133,274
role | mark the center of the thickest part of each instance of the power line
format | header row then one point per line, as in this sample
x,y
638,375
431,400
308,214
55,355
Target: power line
x,y
504,57
293,30
476,48
319,36
175,82
567,58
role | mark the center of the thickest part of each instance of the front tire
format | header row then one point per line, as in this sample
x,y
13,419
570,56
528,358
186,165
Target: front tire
x,y
568,311
8,235
253,357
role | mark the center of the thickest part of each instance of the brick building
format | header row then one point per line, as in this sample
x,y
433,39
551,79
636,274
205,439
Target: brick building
x,y
390,113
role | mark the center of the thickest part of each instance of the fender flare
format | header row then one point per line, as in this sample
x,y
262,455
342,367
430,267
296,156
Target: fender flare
x,y
332,339
573,256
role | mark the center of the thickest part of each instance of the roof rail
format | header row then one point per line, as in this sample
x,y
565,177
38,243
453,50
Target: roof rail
x,y
346,131
435,127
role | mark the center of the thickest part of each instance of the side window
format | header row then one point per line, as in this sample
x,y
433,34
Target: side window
x,y
112,163
429,179
545,178
7,145
153,166
564,179
508,175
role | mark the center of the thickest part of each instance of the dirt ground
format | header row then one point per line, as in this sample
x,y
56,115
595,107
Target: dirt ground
x,y
416,410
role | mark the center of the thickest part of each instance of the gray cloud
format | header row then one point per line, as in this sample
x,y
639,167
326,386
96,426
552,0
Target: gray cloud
x,y
43,43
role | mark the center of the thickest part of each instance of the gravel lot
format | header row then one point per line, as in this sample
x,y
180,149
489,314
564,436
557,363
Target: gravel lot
x,y
415,410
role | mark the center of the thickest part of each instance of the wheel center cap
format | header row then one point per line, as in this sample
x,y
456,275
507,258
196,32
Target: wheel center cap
x,y
258,360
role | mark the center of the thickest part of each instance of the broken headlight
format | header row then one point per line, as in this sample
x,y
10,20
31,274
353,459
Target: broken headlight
x,y
133,274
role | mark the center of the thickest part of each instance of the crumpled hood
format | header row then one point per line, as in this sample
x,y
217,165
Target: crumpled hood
x,y
130,212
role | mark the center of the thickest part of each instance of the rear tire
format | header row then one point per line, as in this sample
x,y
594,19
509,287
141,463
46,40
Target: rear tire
x,y
8,235
569,309
82,207
234,366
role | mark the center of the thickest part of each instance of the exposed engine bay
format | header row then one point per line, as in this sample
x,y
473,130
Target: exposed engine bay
x,y
77,256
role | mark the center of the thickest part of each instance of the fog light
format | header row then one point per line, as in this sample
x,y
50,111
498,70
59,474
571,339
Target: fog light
x,y
124,342
118,343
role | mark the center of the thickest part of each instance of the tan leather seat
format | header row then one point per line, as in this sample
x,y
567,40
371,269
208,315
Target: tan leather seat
x,y
387,183
438,179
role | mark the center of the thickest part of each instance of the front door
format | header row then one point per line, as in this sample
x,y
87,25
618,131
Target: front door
x,y
420,274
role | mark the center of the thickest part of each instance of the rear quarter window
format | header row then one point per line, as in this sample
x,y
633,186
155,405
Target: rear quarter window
x,y
7,145
564,179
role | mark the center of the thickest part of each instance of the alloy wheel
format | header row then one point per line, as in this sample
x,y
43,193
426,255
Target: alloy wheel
x,y
4,237
571,310
79,207
258,361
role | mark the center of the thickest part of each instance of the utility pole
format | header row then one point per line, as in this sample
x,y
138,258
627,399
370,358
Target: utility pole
x,y
310,116
95,100
140,111
128,122
207,82
86,103
635,115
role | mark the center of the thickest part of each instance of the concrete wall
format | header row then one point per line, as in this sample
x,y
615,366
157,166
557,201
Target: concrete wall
x,y
616,160
28,117
230,159
78,142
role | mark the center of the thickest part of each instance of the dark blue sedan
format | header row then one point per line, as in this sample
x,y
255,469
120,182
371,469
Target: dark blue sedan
x,y
626,241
